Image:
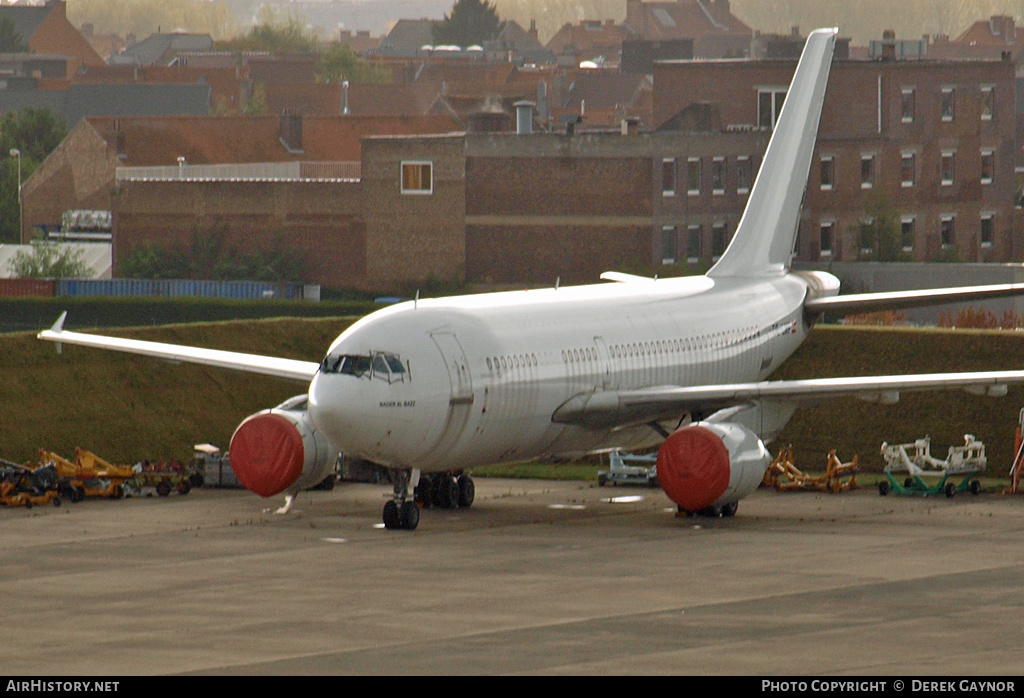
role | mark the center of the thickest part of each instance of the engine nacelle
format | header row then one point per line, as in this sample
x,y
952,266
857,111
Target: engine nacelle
x,y
279,449
711,464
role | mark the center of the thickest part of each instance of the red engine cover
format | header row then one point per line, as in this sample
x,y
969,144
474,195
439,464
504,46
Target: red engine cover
x,y
267,454
693,467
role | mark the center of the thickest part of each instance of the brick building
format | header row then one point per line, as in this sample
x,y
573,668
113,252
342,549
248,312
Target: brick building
x,y
932,142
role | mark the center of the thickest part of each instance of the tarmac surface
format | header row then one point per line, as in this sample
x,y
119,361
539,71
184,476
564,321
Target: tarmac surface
x,y
538,577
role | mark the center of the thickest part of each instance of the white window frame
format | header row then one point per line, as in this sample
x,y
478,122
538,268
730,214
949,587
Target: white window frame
x,y
951,93
418,190
669,229
912,91
942,168
669,191
912,154
690,230
913,223
743,162
991,218
691,162
718,167
988,96
951,219
831,160
870,182
776,109
991,154
830,225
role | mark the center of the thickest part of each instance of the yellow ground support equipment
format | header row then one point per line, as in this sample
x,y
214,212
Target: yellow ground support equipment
x,y
88,476
21,486
784,476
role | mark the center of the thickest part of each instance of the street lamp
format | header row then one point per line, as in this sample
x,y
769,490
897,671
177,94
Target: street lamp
x,y
15,153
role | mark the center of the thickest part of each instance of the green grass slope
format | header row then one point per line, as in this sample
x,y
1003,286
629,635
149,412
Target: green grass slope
x,y
127,408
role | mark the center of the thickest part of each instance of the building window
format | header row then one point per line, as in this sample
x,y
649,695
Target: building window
x,y
668,177
907,233
718,239
769,106
947,167
987,230
907,105
668,245
718,176
988,163
693,176
693,244
908,169
947,230
988,102
948,103
743,174
867,171
417,177
827,239
827,172
867,236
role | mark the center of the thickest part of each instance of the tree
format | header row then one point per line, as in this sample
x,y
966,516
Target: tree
x,y
470,22
49,260
276,32
209,257
338,62
34,133
10,40
881,232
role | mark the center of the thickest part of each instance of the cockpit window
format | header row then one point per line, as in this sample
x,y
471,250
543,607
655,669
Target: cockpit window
x,y
381,365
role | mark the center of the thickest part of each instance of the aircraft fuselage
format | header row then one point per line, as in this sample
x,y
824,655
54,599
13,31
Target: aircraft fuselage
x,y
449,384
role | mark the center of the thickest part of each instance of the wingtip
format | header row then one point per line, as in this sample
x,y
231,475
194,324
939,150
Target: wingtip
x,y
59,325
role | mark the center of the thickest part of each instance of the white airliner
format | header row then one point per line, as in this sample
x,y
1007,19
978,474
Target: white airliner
x,y
431,388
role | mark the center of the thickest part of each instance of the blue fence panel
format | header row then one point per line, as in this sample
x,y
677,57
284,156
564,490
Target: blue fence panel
x,y
179,288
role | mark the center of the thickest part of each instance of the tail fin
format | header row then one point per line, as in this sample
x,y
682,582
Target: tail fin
x,y
764,239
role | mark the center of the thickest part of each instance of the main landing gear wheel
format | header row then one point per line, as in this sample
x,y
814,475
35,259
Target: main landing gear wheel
x,y
445,491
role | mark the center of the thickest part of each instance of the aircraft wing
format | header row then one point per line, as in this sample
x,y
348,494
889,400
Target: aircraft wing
x,y
870,302
253,363
613,408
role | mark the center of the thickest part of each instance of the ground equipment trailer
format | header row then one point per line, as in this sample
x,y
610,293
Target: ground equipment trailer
x,y
88,476
21,486
162,478
620,472
783,475
915,459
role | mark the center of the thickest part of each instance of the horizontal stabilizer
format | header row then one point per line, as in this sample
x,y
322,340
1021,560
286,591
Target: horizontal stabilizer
x,y
896,300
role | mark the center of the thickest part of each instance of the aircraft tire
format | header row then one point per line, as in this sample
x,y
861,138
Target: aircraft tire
x,y
390,515
467,491
410,516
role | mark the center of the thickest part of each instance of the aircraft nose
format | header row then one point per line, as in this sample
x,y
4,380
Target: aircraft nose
x,y
338,412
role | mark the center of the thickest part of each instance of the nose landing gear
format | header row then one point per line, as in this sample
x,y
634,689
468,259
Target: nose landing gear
x,y
400,512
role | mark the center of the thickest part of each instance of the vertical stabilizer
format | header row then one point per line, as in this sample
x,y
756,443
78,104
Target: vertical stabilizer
x,y
764,239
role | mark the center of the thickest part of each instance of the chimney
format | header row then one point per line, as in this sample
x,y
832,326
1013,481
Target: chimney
x,y
533,29
524,117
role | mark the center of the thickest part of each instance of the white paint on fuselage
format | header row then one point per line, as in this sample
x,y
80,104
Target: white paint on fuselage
x,y
527,352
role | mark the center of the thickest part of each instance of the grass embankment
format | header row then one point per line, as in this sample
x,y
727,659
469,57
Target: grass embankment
x,y
126,408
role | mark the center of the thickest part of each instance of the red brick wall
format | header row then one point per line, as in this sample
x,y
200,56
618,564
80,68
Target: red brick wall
x,y
319,221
